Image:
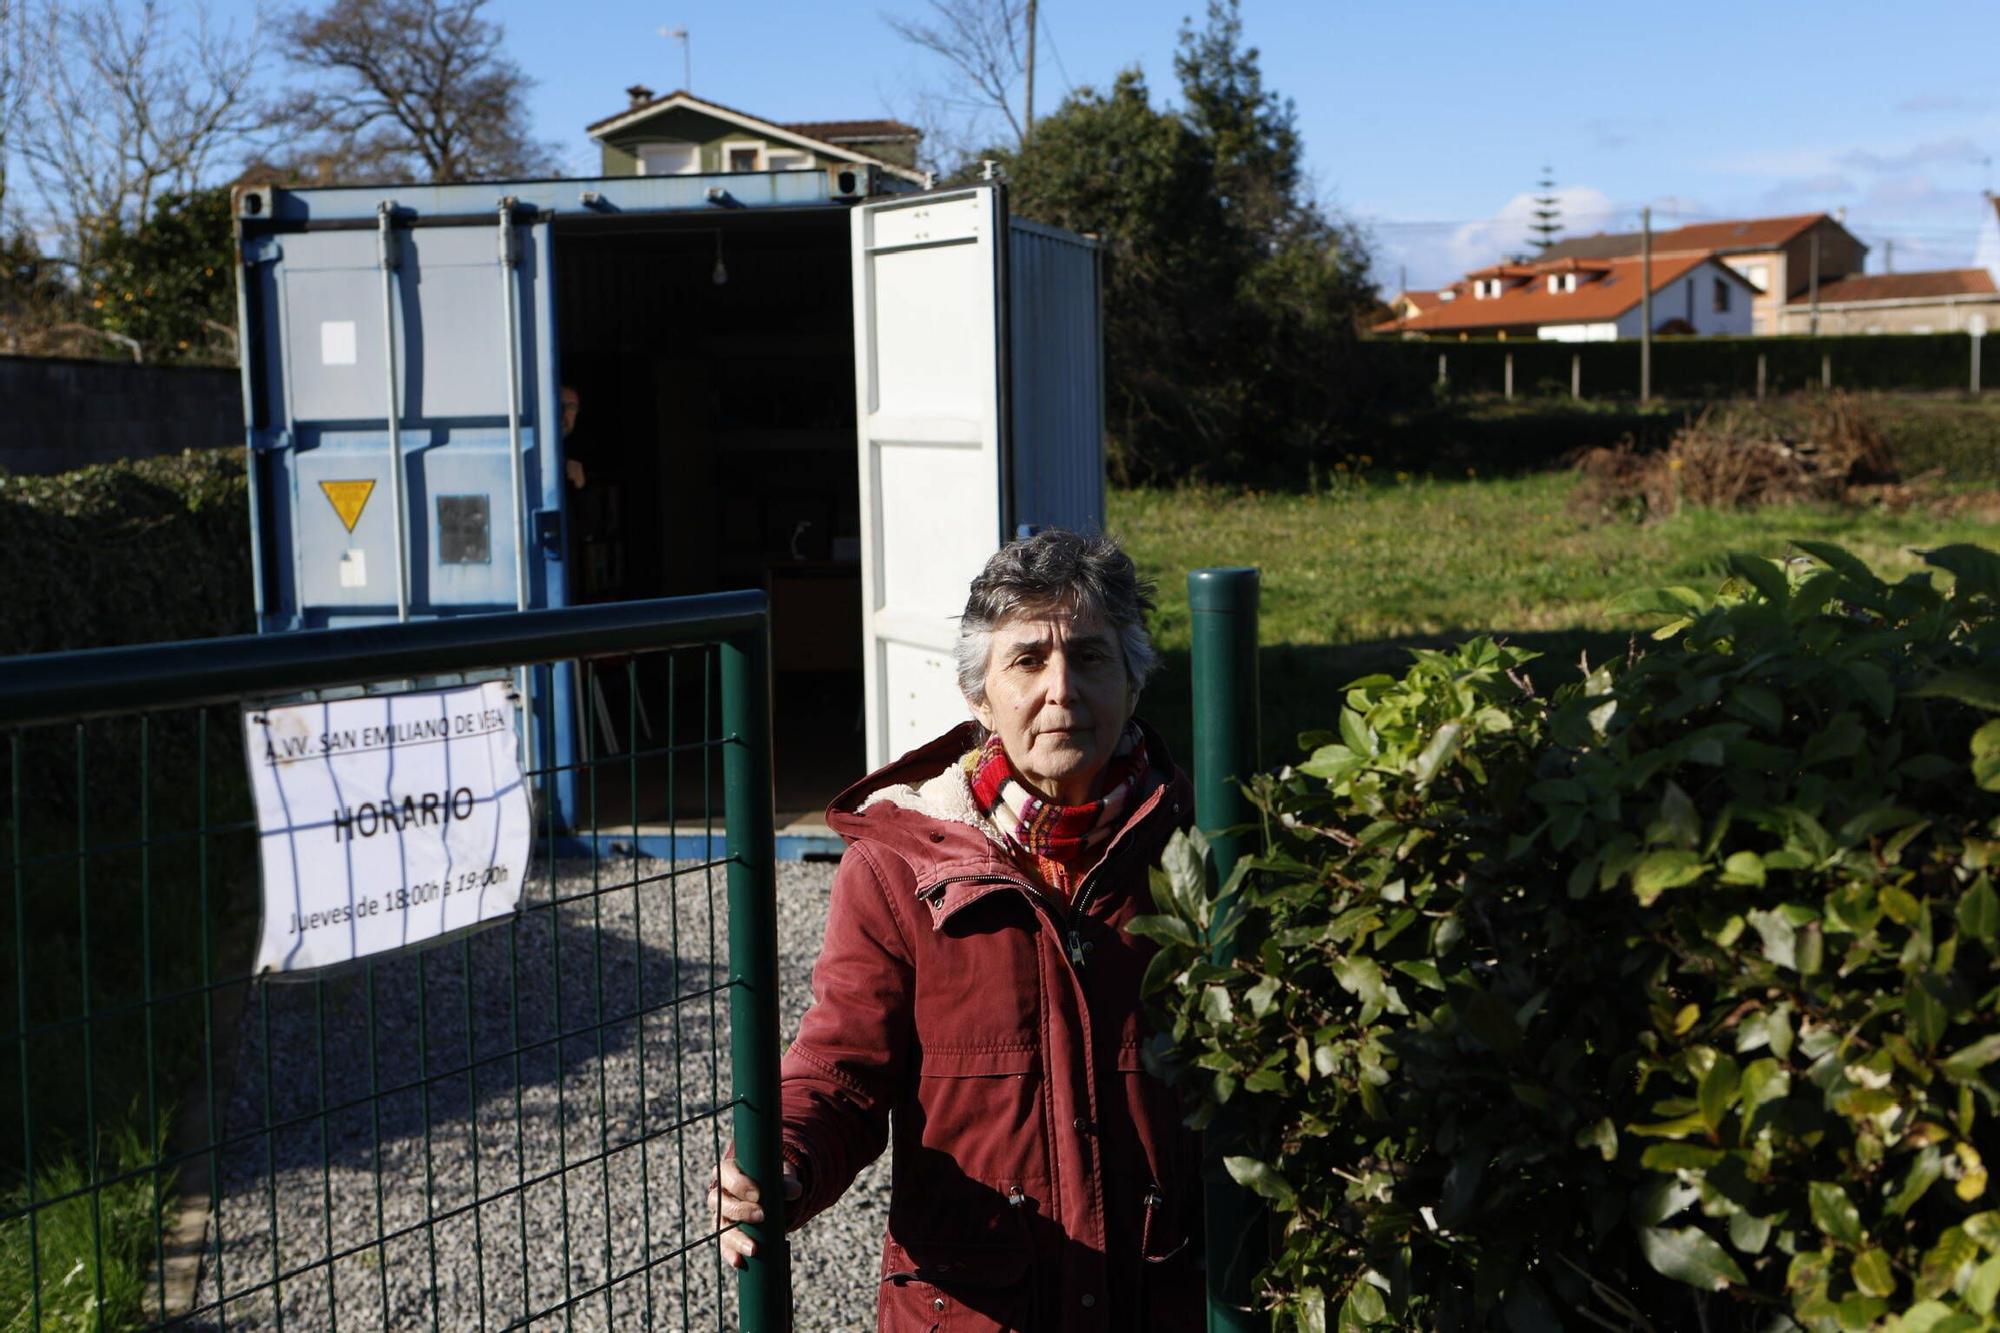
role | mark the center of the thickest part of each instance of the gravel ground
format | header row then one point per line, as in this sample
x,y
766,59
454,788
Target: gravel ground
x,y
533,1191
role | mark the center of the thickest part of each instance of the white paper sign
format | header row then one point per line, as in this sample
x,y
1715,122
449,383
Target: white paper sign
x,y
336,342
385,821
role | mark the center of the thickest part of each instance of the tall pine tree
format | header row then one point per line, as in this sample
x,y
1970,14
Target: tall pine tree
x,y
1548,212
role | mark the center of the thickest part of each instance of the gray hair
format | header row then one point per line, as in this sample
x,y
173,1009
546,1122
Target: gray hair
x,y
1063,572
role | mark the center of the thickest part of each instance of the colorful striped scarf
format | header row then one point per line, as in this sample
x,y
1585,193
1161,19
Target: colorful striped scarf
x,y
1046,837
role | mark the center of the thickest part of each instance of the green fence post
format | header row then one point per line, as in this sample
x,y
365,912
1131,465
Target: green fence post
x,y
764,1288
1224,672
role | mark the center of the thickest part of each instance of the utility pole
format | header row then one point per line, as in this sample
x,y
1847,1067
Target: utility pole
x,y
1812,301
1646,305
1402,278
1889,254
1028,120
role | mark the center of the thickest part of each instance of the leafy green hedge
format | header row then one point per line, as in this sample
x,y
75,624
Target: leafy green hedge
x,y
1665,1002
129,552
1704,367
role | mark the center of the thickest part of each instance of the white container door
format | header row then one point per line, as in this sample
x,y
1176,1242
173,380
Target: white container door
x,y
929,321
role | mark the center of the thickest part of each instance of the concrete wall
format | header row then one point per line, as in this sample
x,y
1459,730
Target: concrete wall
x,y
1944,315
58,414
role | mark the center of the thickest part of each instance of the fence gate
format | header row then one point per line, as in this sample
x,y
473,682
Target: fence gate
x,y
511,1125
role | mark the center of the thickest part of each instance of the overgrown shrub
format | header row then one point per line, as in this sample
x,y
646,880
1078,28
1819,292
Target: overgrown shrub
x,y
1830,449
128,552
1683,367
1667,1001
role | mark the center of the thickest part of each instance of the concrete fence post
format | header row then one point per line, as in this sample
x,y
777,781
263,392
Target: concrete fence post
x,y
1507,375
1576,375
1760,377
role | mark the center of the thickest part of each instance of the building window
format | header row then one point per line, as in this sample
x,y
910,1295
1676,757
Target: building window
x,y
1722,296
743,157
785,159
669,158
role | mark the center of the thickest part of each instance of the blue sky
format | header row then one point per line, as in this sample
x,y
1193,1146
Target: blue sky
x,y
1427,123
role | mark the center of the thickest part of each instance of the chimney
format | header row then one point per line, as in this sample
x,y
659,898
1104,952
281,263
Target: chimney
x,y
640,94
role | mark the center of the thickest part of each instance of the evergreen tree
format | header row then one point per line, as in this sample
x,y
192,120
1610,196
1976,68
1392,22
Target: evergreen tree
x,y
1548,213
1230,296
172,285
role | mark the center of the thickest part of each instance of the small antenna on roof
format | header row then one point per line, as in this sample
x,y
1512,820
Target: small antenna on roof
x,y
680,35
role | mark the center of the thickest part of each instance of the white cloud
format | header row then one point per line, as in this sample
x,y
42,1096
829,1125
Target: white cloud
x,y
1435,253
1958,151
1584,210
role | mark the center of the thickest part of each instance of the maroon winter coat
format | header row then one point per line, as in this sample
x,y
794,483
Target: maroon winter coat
x,y
1042,1180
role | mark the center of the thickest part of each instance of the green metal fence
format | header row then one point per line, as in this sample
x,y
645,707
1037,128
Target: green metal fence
x,y
510,1127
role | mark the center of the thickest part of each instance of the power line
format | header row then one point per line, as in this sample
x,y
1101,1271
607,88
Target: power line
x,y
1055,51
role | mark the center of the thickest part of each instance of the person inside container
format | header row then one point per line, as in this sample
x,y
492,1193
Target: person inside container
x,y
976,998
574,449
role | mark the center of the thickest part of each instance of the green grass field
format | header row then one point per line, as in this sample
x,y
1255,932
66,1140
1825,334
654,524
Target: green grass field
x,y
1354,578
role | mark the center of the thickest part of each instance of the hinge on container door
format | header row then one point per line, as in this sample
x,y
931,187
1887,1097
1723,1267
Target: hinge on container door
x,y
262,250
509,253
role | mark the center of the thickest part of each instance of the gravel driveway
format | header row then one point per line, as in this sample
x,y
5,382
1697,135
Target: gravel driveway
x,y
517,1196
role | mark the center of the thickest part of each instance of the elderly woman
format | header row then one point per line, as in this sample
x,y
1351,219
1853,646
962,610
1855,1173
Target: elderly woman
x,y
976,998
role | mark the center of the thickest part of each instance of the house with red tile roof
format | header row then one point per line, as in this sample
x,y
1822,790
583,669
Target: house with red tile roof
x,y
1406,303
680,134
1574,299
1932,301
1782,257
1987,253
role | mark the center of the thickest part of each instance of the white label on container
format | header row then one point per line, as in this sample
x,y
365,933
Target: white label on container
x,y
354,568
336,342
385,821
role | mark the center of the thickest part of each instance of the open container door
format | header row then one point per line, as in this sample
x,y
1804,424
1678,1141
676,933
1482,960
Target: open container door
x,y
1055,412
929,360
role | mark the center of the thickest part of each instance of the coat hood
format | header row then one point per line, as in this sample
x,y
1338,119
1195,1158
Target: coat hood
x,y
920,806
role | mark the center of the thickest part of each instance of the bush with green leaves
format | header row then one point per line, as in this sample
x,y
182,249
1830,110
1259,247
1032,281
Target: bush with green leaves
x,y
1666,1001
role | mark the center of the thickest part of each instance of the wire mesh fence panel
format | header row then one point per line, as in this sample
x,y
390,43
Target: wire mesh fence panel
x,y
509,1126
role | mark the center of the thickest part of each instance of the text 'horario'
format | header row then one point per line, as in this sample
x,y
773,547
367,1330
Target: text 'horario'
x,y
390,815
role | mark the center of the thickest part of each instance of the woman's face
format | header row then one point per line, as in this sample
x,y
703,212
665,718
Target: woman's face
x,y
1058,697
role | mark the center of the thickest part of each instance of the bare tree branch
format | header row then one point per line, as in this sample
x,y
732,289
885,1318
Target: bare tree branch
x,y
120,108
14,76
982,40
418,89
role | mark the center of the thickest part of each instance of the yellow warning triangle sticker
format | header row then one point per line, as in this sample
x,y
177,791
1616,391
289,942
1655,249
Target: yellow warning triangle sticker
x,y
348,498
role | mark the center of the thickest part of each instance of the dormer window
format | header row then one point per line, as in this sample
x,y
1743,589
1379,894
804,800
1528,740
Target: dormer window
x,y
1562,282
